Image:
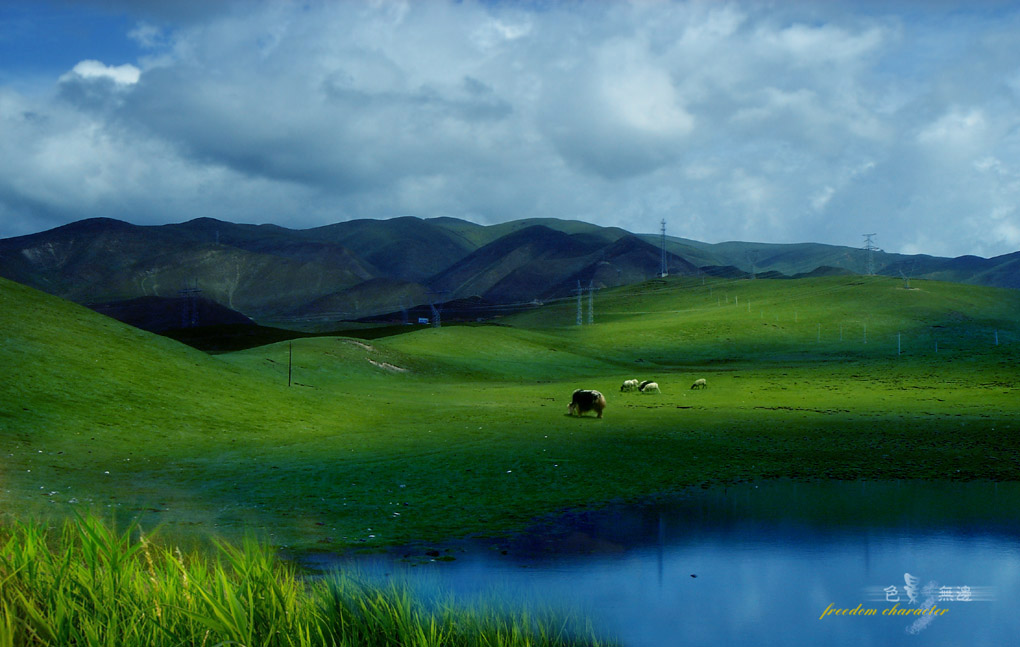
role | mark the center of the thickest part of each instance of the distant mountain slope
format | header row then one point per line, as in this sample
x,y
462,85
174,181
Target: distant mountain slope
x,y
483,235
538,262
799,259
525,256
1006,272
102,260
409,249
361,268
785,258
364,299
1000,271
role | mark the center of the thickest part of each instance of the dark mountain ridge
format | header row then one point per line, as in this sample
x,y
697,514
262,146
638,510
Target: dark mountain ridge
x,y
359,268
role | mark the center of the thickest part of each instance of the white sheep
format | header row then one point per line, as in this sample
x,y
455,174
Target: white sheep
x,y
700,383
649,387
629,385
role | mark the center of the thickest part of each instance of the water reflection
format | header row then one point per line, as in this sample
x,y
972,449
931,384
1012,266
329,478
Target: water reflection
x,y
758,564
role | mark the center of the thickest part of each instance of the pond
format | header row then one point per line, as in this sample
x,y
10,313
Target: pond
x,y
770,563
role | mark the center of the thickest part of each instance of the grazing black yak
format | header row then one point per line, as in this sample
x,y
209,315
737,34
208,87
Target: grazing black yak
x,y
585,400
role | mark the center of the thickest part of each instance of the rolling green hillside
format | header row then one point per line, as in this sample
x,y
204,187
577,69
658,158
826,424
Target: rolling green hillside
x,y
440,433
684,320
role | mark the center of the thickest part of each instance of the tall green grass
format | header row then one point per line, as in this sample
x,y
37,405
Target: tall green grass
x,y
88,584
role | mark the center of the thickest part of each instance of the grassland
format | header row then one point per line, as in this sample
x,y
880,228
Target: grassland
x,y
443,433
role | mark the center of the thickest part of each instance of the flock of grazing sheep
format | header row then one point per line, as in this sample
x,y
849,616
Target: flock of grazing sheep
x,y
584,400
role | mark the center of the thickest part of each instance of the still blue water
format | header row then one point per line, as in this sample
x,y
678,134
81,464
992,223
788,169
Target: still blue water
x,y
758,564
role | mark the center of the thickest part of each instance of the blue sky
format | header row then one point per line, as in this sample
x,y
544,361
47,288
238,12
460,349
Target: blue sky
x,y
769,122
40,42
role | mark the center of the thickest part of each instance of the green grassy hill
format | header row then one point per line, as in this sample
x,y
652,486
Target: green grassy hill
x,y
683,320
439,433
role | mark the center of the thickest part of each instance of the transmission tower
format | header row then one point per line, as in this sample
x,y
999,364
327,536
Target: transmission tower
x,y
870,247
436,309
579,290
663,268
906,277
752,258
591,302
189,305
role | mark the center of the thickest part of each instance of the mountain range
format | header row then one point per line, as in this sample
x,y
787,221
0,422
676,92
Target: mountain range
x,y
204,268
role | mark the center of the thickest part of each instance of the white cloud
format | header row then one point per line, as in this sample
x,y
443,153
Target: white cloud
x,y
958,128
126,74
640,94
822,198
148,36
814,46
777,123
1008,232
495,32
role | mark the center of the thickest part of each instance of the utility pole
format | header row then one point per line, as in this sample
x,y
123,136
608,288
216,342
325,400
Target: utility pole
x,y
870,247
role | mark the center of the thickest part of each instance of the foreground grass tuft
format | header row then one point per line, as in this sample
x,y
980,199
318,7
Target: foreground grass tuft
x,y
86,584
